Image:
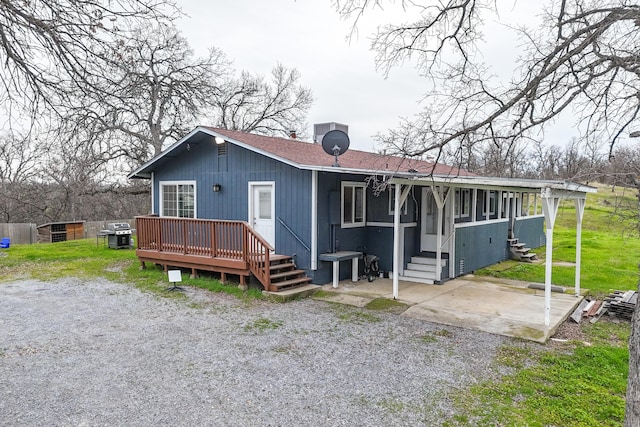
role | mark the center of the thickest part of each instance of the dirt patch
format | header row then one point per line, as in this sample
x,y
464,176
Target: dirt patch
x,y
570,331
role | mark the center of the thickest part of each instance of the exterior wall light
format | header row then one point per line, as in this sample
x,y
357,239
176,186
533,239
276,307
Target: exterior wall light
x,y
219,140
216,188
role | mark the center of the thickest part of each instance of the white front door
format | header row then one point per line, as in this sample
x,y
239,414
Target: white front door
x,y
262,210
428,233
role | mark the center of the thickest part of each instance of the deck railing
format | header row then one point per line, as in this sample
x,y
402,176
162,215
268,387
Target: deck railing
x,y
207,238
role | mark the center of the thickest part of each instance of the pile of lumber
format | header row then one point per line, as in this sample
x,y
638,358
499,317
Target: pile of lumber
x,y
620,304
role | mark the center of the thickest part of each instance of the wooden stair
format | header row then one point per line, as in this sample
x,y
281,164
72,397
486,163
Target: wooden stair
x,y
284,274
520,251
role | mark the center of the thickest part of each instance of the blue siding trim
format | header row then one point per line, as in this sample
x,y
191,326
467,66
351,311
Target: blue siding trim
x,y
530,230
378,240
480,246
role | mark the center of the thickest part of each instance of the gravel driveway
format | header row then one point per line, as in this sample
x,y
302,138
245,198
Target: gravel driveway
x,y
101,353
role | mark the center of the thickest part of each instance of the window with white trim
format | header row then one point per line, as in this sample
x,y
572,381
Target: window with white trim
x,y
392,202
178,199
353,204
463,203
492,202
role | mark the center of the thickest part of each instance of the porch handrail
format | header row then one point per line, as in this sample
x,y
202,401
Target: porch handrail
x,y
257,255
294,234
209,238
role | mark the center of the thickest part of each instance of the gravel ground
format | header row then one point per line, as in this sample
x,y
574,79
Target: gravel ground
x,y
103,353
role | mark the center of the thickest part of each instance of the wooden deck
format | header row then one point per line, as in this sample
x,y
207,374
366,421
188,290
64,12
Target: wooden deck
x,y
227,247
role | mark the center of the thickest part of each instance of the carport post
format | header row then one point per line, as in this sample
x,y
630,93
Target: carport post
x,y
550,209
396,240
579,214
400,199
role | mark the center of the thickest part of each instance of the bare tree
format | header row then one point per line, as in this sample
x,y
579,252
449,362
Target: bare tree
x,y
20,163
252,104
156,90
583,59
584,55
151,93
51,48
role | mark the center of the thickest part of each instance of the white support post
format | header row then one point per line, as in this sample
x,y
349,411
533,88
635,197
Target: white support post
x,y
579,214
438,193
487,204
507,207
314,220
354,269
396,240
474,205
550,209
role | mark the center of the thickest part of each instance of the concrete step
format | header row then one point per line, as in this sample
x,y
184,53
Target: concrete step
x,y
419,274
528,257
416,279
422,267
426,261
522,250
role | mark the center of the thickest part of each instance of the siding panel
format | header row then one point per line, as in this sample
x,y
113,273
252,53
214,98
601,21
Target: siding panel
x,y
480,245
292,191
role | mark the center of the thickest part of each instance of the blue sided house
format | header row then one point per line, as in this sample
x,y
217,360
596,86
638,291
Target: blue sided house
x,y
283,211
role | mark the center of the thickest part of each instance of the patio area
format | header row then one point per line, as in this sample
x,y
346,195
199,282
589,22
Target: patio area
x,y
498,306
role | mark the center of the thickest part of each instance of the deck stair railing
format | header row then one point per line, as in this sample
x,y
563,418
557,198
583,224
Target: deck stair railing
x,y
234,240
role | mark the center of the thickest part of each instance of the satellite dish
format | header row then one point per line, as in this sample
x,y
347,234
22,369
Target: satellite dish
x,y
335,143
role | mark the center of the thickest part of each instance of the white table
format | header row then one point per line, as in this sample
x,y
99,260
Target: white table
x,y
336,257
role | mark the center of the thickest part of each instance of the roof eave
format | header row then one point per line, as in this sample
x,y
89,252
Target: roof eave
x,y
485,182
141,173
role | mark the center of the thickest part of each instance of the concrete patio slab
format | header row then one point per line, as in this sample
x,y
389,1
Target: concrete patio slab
x,y
503,307
343,298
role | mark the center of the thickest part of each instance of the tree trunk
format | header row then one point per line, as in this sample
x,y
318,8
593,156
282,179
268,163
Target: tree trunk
x,y
632,412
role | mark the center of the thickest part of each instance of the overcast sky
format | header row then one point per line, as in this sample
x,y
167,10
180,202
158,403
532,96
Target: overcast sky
x,y
310,36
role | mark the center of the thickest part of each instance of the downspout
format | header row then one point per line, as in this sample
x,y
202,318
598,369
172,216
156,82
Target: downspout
x,y
153,194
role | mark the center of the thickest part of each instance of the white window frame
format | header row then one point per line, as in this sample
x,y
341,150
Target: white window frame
x,y
353,223
493,196
163,184
392,204
462,203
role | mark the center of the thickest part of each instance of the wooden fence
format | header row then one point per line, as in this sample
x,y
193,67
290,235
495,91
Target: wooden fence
x,y
26,233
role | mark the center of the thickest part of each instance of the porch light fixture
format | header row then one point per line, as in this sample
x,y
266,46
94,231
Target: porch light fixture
x,y
219,140
216,188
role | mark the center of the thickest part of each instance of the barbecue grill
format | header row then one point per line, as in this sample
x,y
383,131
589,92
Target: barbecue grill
x,y
119,235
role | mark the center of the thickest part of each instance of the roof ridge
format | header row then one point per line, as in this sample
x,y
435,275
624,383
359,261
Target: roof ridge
x,y
299,141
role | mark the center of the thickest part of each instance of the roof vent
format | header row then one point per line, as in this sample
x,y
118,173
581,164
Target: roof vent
x,y
319,129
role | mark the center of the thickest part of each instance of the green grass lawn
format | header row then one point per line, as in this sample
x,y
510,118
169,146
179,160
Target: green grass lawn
x,y
610,248
86,259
